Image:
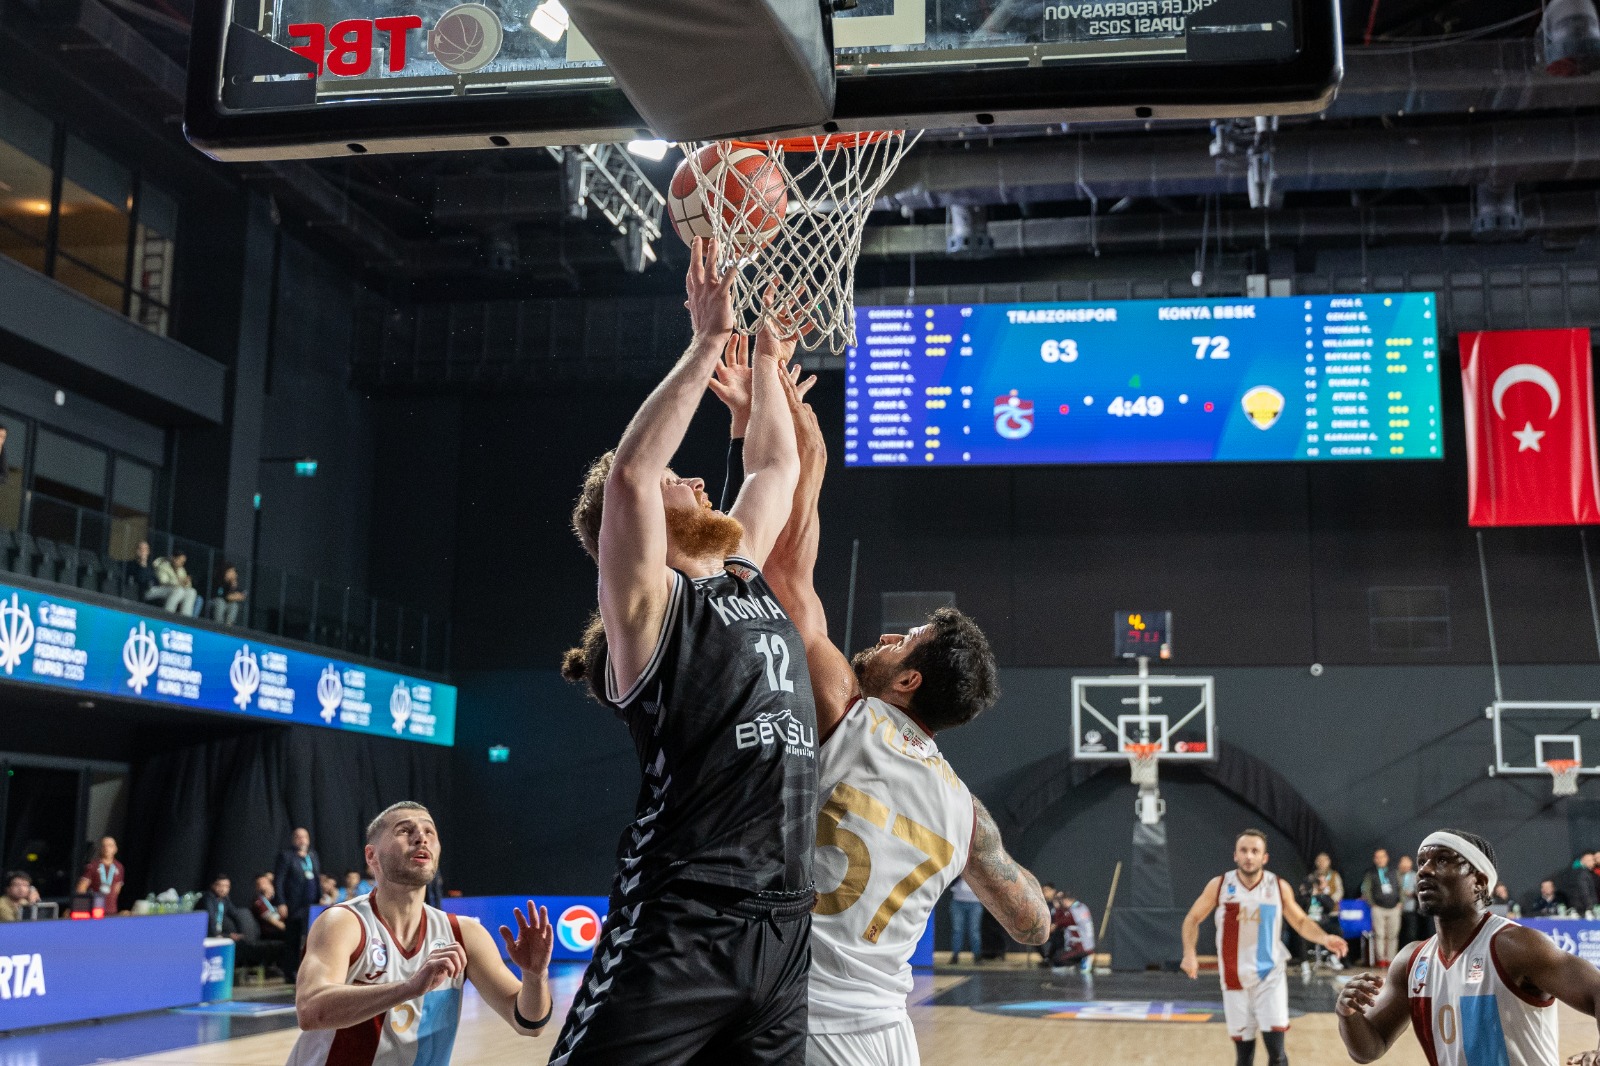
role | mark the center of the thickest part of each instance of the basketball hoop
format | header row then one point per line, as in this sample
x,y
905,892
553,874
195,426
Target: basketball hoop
x,y
1563,776
832,183
1142,763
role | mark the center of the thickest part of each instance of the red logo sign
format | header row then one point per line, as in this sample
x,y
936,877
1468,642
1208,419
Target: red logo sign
x,y
346,47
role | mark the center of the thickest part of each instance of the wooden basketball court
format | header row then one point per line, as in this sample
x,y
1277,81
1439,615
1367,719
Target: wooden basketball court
x,y
949,1035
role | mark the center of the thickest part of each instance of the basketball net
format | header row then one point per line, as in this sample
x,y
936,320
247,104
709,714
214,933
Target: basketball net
x,y
1142,763
809,260
1563,776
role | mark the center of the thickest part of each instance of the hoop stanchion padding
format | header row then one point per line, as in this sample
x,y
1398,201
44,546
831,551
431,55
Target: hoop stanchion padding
x,y
809,261
1563,776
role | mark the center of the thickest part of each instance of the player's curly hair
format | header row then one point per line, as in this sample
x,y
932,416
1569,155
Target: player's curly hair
x,y
960,679
587,512
582,664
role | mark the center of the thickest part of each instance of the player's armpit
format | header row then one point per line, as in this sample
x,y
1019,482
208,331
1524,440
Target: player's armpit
x,y
1537,968
1006,889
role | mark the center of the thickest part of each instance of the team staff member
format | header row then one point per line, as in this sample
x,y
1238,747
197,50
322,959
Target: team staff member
x,y
382,977
1250,905
297,879
104,875
1482,990
705,949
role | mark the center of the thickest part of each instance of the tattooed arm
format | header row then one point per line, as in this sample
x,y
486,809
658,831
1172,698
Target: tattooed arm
x,y
1006,889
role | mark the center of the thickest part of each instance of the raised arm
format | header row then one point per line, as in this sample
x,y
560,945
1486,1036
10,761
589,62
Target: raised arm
x,y
635,583
1199,912
791,565
524,1003
771,463
1373,1009
323,1001
1005,888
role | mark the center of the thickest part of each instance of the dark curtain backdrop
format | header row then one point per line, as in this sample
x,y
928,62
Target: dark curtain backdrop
x,y
228,806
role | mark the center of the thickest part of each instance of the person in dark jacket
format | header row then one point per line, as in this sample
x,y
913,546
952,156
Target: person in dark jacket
x,y
1580,883
297,876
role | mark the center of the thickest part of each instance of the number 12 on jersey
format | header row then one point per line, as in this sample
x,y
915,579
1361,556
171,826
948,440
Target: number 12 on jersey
x,y
831,832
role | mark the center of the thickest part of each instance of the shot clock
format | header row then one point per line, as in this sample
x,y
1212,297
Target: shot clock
x,y
1143,634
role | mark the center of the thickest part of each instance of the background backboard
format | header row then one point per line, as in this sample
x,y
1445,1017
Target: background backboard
x,y
1109,713
408,75
1527,734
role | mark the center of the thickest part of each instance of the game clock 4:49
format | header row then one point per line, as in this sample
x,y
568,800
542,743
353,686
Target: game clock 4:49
x,y
1143,634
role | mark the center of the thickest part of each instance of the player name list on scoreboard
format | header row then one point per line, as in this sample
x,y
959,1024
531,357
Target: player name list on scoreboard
x,y
1278,378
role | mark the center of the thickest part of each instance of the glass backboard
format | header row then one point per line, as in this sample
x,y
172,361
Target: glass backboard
x,y
277,79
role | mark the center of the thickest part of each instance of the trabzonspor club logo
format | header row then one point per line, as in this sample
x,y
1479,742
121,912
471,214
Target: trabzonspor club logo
x,y
578,928
1013,416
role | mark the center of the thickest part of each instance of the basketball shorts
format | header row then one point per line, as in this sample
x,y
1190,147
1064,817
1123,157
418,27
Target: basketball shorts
x,y
719,978
1263,1007
889,1045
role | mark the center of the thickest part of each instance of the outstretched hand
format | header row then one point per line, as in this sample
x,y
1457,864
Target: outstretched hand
x,y
534,940
710,294
807,431
732,381
1338,946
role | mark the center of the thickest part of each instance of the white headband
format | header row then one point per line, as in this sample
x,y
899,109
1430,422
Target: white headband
x,y
1476,858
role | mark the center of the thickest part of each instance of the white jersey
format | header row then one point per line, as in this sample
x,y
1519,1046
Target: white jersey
x,y
418,1032
1465,1012
1249,930
893,832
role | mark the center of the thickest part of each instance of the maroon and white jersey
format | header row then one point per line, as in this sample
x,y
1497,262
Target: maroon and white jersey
x,y
1467,1013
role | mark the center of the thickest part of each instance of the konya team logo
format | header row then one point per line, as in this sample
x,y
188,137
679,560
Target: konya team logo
x,y
578,928
1013,416
1262,405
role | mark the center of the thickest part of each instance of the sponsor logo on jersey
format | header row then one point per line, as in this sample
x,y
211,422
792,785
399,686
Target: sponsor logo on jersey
x,y
1419,976
578,928
771,728
743,573
1475,971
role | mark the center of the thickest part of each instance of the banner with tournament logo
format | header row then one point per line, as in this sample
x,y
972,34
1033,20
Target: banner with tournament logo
x,y
82,647
577,919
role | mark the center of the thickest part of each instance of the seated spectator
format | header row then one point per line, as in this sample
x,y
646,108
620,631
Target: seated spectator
x,y
173,589
19,893
328,890
227,599
354,885
222,916
265,910
1501,903
1550,902
138,573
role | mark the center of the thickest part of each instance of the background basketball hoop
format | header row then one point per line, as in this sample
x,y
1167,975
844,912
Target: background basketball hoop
x,y
808,249
1563,776
1143,764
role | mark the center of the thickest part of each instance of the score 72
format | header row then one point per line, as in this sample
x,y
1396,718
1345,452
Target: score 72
x,y
1216,347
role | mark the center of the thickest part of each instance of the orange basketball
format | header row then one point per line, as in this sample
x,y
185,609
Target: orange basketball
x,y
743,184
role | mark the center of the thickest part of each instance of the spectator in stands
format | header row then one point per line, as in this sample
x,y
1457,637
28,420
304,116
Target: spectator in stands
x,y
138,573
1321,892
354,885
265,909
222,916
1381,889
227,599
1409,926
19,893
1071,931
173,580
1580,884
329,894
966,922
104,875
298,876
1550,902
1501,903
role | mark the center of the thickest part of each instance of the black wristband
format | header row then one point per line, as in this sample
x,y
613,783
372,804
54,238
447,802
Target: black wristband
x,y
525,1023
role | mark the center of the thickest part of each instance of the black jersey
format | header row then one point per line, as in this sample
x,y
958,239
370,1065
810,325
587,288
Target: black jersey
x,y
726,730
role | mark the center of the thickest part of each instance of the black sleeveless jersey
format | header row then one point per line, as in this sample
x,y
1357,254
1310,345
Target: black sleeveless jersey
x,y
726,731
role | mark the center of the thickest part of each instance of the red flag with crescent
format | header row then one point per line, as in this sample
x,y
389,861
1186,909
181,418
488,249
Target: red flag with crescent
x,y
1528,397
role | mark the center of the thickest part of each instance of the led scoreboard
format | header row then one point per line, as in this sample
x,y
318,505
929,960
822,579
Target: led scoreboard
x,y
1138,381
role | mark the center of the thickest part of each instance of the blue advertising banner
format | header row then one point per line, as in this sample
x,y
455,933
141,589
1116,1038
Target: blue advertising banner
x,y
1575,936
53,972
67,644
1145,381
578,919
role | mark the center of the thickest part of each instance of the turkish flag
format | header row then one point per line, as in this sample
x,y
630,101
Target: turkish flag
x,y
1529,401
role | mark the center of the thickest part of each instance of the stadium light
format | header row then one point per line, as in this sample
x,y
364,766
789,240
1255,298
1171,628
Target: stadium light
x,y
653,150
549,19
